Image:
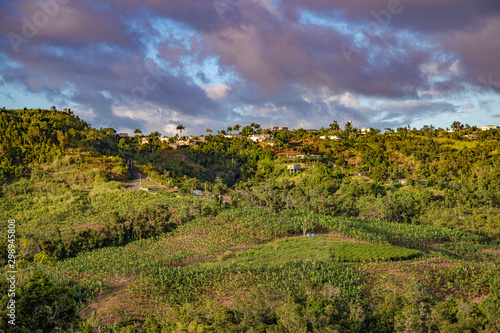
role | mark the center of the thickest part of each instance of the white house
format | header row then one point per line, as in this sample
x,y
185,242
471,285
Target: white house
x,y
489,127
331,137
364,130
123,135
260,137
165,139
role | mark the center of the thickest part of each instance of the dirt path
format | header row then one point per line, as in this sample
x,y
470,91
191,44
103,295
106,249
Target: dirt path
x,y
135,183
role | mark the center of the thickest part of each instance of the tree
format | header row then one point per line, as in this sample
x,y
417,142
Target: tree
x,y
180,128
335,126
247,130
154,137
209,131
230,130
457,126
237,128
137,131
348,127
307,223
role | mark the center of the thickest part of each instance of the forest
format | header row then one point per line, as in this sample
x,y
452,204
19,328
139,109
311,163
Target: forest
x,y
308,230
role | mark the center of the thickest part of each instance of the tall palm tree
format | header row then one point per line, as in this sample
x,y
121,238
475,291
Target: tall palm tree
x,y
209,131
237,128
180,128
230,129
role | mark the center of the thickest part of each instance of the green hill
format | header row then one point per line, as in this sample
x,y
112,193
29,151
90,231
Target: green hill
x,y
95,255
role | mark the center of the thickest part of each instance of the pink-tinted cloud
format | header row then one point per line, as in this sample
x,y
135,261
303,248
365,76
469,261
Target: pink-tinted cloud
x,y
97,53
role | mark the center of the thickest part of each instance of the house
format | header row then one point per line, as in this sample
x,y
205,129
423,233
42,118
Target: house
x,y
144,141
197,139
197,192
260,137
231,136
165,139
280,129
403,181
331,137
364,130
471,136
489,127
123,135
294,168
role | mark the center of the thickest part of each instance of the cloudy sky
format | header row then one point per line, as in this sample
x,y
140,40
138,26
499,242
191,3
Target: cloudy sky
x,y
153,64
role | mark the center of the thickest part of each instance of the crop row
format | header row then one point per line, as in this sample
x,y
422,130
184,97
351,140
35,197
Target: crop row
x,y
179,285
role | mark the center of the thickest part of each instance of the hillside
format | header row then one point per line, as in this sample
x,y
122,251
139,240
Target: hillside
x,y
93,256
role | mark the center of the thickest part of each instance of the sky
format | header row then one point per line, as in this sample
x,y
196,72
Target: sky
x,y
154,64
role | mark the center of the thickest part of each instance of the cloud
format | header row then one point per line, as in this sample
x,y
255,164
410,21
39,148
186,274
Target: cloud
x,y
127,62
217,91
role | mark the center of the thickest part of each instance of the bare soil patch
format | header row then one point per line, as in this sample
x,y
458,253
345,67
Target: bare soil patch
x,y
107,300
492,251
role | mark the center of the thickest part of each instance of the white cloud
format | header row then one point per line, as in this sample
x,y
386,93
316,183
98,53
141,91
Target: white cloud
x,y
217,91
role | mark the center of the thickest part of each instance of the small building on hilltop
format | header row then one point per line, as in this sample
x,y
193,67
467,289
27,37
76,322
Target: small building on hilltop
x,y
260,137
489,127
294,168
331,137
278,128
403,181
364,130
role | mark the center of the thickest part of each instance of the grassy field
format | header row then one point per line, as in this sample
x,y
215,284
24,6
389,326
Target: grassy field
x,y
226,258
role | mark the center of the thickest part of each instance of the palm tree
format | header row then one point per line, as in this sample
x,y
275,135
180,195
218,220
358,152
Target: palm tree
x,y
154,137
230,129
180,128
137,131
237,128
209,131
335,126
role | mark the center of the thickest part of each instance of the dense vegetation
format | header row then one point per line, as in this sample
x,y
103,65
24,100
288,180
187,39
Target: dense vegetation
x,y
386,257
